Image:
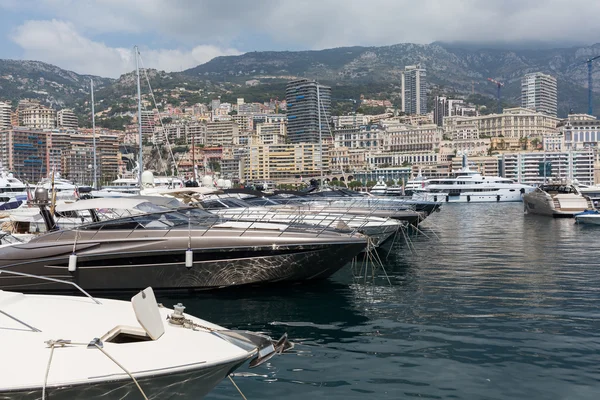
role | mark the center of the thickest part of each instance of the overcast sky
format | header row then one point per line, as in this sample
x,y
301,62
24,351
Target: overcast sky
x,y
96,37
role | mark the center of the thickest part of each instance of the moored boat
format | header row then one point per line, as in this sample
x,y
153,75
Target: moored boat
x,y
66,347
556,200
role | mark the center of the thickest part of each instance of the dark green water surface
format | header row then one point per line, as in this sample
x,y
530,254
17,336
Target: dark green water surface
x,y
491,304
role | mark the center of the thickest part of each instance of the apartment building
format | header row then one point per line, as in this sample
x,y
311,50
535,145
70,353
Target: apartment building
x,y
367,137
568,165
221,133
5,115
25,152
512,123
271,132
539,93
285,161
414,90
305,109
38,117
580,131
408,138
66,119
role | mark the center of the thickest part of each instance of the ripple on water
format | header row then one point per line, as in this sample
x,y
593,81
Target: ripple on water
x,y
490,304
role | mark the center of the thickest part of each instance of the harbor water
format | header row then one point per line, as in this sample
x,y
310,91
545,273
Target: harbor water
x,y
486,303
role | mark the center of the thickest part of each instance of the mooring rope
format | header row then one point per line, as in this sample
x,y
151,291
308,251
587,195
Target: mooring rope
x,y
62,343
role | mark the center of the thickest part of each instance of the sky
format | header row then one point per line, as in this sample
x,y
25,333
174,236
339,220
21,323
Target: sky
x,y
97,37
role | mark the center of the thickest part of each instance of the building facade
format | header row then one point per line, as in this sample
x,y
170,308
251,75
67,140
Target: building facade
x,y
67,119
5,115
25,152
414,90
285,162
580,131
567,166
222,133
539,93
38,117
305,110
512,123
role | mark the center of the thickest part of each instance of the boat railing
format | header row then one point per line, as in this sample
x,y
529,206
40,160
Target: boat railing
x,y
47,278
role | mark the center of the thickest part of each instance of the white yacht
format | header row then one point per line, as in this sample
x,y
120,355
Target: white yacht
x,y
557,200
67,347
380,188
415,184
11,186
471,187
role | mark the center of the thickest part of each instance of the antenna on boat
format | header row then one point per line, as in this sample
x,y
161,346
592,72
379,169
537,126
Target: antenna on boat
x,y
139,95
94,134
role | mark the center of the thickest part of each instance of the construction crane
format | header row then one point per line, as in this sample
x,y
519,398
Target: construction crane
x,y
590,93
499,86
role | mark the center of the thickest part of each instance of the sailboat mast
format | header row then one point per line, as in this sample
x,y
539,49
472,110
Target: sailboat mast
x,y
320,134
94,135
139,95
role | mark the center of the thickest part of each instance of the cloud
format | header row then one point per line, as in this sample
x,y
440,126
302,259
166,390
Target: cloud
x,y
326,23
96,36
58,42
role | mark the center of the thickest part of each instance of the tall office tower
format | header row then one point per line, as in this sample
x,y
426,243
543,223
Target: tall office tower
x,y
539,93
440,110
5,114
304,111
414,90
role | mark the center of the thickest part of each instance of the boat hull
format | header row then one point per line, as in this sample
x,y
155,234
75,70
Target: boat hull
x,y
166,270
492,197
193,384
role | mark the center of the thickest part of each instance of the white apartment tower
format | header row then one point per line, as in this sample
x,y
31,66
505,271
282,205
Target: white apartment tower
x,y
414,90
67,119
539,93
5,110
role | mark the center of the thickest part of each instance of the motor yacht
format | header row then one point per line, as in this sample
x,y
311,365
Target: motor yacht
x,y
75,347
376,228
380,188
556,200
471,187
174,250
591,217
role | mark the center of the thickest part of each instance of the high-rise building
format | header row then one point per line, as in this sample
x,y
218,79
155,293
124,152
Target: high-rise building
x,y
67,119
25,152
304,110
539,93
414,90
440,110
5,114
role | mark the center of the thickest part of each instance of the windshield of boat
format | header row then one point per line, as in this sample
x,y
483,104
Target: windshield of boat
x,y
197,219
6,238
559,189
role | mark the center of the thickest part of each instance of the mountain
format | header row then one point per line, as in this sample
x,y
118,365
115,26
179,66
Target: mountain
x,y
452,68
455,69
54,86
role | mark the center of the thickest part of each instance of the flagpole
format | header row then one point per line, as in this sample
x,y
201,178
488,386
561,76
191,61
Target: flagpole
x,y
95,185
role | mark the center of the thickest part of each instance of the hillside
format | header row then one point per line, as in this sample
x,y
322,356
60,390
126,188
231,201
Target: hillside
x,y
372,71
454,69
56,87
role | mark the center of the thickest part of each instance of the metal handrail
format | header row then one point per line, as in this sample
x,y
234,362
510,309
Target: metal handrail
x,y
46,278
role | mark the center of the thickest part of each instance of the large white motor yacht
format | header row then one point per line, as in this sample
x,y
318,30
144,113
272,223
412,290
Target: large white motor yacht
x,y
471,187
557,200
67,347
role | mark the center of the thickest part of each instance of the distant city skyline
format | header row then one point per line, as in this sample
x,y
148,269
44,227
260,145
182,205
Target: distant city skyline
x,y
96,37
